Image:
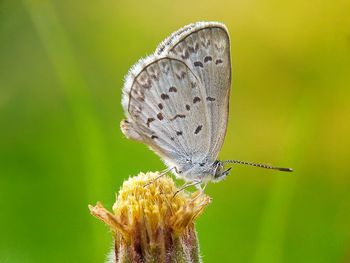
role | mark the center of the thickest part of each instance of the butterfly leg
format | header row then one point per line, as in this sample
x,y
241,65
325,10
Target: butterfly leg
x,y
201,190
186,185
164,172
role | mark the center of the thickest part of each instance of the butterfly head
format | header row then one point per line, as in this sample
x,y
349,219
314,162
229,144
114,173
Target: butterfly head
x,y
219,171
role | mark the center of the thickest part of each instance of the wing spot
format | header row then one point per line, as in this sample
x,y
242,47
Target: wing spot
x,y
178,133
178,116
165,67
220,47
210,99
181,76
205,43
196,99
194,49
160,106
138,109
155,77
172,138
218,61
149,120
188,107
185,55
160,116
172,89
146,86
145,82
207,59
154,137
164,96
198,129
198,64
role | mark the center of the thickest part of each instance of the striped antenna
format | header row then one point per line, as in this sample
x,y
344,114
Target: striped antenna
x,y
259,165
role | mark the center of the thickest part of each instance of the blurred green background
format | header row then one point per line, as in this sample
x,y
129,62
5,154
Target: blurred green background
x,y
62,65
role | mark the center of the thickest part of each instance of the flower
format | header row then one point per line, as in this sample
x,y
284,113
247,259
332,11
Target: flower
x,y
150,223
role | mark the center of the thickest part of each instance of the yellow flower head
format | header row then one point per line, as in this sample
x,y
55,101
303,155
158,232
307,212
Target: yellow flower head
x,y
149,220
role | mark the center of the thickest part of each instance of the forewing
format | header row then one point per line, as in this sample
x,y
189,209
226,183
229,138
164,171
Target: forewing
x,y
166,109
205,48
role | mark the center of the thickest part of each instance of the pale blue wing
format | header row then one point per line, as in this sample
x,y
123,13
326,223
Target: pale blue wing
x,y
166,108
205,48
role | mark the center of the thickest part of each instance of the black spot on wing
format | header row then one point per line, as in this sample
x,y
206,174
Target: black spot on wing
x,y
178,133
160,116
178,116
210,99
149,120
198,129
164,96
207,59
160,106
198,64
172,89
188,107
218,61
196,99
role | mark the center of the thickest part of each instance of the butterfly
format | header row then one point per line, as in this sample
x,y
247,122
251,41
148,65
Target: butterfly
x,y
176,101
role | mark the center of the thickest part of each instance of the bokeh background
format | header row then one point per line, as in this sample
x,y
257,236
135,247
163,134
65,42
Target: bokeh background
x,y
62,64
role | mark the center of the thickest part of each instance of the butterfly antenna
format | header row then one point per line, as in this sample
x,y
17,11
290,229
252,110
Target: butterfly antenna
x,y
259,165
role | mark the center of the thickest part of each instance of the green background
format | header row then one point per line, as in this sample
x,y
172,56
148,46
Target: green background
x,y
62,65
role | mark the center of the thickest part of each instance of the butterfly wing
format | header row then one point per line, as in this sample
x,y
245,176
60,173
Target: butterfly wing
x,y
176,100
166,109
205,48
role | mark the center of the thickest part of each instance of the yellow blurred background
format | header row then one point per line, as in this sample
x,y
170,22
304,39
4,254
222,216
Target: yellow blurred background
x,y
62,65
